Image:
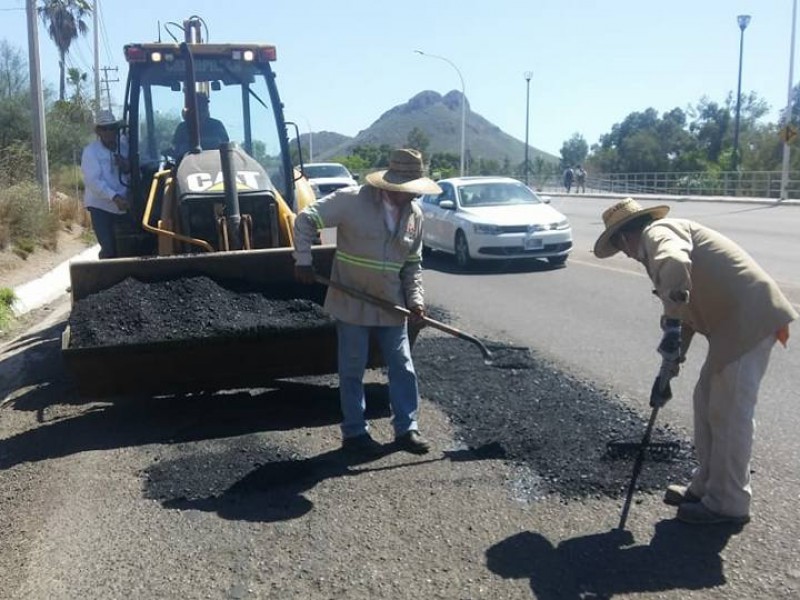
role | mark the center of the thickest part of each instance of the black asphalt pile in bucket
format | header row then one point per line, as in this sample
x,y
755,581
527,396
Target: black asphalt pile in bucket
x,y
189,308
543,418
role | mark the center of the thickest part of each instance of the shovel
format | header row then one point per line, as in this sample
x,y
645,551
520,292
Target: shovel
x,y
487,355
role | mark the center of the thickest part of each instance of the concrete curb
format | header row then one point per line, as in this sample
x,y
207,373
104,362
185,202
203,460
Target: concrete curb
x,y
44,290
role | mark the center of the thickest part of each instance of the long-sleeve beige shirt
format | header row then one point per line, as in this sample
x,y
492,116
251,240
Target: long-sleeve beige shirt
x,y
732,300
370,256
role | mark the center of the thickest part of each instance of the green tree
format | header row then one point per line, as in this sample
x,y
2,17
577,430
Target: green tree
x,y
64,20
69,129
15,112
76,78
418,140
13,71
445,164
574,151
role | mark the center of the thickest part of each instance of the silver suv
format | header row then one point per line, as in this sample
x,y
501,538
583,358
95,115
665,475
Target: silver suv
x,y
326,178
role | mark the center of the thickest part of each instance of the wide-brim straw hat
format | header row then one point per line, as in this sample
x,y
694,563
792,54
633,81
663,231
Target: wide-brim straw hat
x,y
106,119
618,215
405,174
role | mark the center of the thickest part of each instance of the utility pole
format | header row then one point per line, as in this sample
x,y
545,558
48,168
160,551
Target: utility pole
x,y
37,104
96,34
106,82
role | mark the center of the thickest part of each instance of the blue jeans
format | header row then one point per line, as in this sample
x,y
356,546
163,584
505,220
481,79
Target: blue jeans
x,y
353,355
103,223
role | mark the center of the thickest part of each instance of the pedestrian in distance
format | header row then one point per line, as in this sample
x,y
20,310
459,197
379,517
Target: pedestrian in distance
x,y
569,177
708,285
580,180
104,164
378,251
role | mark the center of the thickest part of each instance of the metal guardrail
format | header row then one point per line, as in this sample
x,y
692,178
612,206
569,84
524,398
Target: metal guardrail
x,y
750,184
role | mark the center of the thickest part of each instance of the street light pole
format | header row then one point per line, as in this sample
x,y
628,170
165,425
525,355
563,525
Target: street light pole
x,y
787,116
528,75
743,21
463,103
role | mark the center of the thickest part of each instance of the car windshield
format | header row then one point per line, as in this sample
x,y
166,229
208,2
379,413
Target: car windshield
x,y
320,171
495,194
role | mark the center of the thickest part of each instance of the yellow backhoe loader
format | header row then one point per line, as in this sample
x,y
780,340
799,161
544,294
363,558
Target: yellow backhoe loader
x,y
213,192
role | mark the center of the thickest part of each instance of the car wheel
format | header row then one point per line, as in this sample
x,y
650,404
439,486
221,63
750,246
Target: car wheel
x,y
463,259
557,261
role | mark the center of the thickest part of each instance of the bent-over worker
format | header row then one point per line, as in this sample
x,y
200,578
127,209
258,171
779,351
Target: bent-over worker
x,y
708,285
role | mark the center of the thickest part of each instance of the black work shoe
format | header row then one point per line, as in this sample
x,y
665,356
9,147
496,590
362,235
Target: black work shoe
x,y
363,445
413,442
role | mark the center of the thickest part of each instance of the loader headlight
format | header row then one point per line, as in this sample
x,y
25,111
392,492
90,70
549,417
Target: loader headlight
x,y
486,229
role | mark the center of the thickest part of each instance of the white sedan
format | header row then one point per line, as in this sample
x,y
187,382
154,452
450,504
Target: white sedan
x,y
493,218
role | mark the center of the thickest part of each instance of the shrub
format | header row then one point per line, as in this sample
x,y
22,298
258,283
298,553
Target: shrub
x,y
69,210
16,164
6,300
27,218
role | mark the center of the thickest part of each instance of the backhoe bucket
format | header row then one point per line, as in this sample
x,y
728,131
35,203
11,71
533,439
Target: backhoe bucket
x,y
209,363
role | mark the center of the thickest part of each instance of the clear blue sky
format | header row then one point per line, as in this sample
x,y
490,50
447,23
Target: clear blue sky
x,y
342,64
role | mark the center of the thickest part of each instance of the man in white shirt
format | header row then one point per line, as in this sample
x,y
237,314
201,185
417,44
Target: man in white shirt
x,y
104,165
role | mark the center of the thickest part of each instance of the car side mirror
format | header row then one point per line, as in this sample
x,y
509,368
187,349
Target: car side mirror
x,y
356,176
447,204
545,199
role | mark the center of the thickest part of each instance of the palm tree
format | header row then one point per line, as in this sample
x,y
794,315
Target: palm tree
x,y
65,22
76,78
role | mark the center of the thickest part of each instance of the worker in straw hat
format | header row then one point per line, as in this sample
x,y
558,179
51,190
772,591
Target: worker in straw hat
x,y
104,167
708,285
378,251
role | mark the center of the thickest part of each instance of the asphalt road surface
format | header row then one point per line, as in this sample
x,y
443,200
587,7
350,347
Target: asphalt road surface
x,y
245,495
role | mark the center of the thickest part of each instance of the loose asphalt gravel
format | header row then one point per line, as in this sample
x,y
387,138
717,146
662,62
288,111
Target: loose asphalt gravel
x,y
516,406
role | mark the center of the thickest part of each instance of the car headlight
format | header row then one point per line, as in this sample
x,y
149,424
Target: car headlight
x,y
486,229
561,225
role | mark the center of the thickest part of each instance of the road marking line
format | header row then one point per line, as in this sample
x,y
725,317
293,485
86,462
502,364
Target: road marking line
x,y
587,263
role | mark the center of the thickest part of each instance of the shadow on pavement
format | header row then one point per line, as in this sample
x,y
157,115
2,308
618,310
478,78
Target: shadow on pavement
x,y
237,489
599,566
173,420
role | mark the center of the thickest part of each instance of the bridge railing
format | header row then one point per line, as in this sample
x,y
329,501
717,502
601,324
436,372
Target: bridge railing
x,y
754,184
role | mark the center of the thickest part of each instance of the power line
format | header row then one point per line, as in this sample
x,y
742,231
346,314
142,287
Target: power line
x,y
104,32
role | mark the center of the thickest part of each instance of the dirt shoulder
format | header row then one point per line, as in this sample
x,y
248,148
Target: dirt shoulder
x,y
15,271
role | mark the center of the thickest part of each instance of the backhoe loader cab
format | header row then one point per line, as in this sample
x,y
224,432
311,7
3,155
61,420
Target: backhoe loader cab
x,y
178,115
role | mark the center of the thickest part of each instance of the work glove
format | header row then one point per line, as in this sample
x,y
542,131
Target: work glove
x,y
661,392
670,346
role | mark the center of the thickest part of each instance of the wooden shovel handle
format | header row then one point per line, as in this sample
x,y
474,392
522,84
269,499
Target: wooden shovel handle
x,y
404,311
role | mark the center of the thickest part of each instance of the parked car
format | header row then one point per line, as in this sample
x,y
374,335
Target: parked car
x,y
328,177
493,218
